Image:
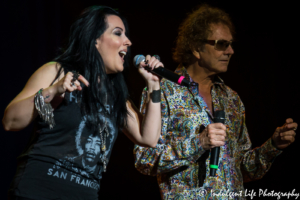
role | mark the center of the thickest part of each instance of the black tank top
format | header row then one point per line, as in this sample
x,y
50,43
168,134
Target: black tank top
x,y
64,162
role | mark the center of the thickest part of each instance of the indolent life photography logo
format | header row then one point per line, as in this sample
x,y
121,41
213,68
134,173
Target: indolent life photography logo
x,y
252,194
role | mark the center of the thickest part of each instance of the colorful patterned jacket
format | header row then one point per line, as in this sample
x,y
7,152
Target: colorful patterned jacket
x,y
179,161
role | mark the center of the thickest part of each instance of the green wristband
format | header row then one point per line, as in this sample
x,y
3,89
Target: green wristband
x,y
213,166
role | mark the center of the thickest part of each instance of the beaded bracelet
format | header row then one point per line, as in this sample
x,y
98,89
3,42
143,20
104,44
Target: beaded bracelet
x,y
45,110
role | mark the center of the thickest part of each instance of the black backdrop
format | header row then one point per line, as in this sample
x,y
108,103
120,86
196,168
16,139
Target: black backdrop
x,y
263,71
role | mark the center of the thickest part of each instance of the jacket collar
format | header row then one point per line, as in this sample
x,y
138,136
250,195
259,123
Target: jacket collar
x,y
181,70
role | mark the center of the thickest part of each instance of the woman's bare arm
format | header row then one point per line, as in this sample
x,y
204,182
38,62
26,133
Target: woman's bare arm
x,y
21,111
145,130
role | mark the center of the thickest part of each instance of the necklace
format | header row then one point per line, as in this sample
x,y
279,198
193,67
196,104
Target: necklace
x,y
103,135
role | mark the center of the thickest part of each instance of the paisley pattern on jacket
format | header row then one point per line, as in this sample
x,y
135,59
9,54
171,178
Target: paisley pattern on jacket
x,y
179,161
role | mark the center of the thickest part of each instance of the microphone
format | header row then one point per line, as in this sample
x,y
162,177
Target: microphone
x,y
162,72
219,117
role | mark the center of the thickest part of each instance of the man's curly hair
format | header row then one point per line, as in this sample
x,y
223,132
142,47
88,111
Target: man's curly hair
x,y
196,28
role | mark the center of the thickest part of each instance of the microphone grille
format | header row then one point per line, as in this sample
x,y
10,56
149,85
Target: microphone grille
x,y
137,59
157,57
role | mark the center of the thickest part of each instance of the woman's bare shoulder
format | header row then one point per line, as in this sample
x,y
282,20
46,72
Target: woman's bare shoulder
x,y
43,77
50,68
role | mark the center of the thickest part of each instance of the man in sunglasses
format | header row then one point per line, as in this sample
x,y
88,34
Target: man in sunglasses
x,y
181,159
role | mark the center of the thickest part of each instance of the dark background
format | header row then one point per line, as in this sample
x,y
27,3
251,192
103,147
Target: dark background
x,y
263,71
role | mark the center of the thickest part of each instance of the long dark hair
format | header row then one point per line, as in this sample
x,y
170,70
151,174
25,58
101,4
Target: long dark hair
x,y
82,56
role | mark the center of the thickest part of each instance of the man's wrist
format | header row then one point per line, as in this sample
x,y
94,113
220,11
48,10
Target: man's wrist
x,y
274,144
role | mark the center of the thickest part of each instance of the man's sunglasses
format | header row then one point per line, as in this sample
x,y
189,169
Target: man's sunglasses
x,y
220,45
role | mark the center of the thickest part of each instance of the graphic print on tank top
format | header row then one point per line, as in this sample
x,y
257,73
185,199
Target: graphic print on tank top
x,y
84,165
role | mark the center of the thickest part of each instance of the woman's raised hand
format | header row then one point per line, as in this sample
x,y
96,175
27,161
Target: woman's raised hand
x,y
69,83
150,62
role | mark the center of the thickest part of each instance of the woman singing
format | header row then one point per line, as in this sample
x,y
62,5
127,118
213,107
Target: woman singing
x,y
78,103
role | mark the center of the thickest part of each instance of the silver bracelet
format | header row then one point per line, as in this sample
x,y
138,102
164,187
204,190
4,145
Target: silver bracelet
x,y
45,110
